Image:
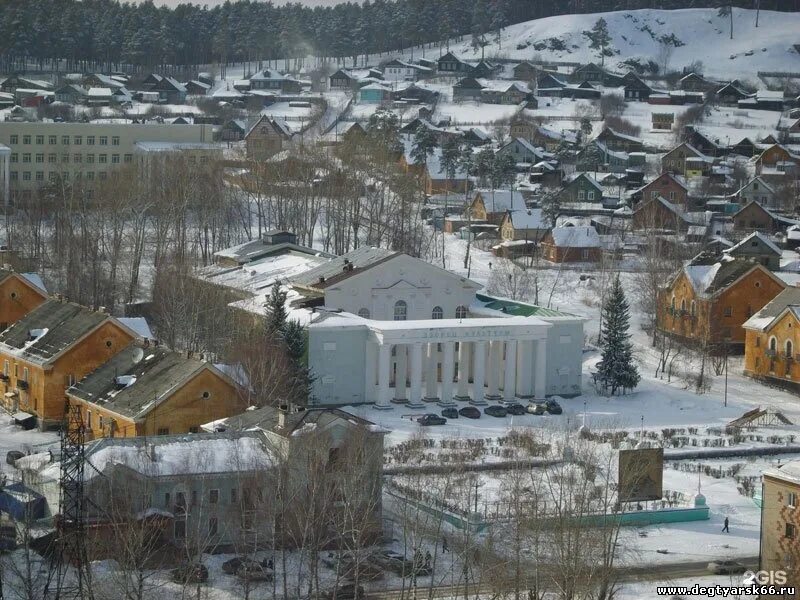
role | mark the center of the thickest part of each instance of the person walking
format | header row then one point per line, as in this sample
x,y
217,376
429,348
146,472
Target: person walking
x,y
444,545
725,526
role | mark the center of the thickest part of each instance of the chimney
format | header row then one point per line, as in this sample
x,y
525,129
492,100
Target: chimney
x,y
321,279
282,410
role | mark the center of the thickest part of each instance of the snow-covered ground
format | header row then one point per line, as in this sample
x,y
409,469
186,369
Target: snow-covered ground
x,y
704,34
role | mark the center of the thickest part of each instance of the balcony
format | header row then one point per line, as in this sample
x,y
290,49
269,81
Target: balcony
x,y
22,384
770,352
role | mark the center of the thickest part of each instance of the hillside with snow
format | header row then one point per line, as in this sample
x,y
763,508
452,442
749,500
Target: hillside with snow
x,y
699,34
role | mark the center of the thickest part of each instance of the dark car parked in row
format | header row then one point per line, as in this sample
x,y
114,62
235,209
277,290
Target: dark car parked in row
x,y
515,409
431,419
553,407
495,411
450,413
470,412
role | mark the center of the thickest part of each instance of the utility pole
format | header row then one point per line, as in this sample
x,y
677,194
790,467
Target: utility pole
x,y
725,399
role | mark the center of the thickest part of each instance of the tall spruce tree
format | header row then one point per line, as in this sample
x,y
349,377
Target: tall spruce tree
x,y
276,311
616,370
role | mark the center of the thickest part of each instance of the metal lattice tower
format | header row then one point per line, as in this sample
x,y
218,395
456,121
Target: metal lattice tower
x,y
73,579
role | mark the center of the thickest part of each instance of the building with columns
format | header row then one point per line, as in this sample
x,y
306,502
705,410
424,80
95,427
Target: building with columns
x,y
391,329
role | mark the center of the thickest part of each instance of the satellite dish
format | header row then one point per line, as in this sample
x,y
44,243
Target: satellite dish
x,y
138,355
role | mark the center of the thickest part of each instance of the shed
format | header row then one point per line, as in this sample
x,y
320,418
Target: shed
x,y
22,503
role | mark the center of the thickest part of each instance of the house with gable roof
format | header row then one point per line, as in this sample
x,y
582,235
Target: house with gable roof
x,y
755,217
772,341
757,247
572,243
581,187
709,299
619,141
492,205
267,137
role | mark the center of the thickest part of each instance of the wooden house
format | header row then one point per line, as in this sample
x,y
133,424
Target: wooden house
x,y
467,89
755,217
450,63
267,137
595,74
616,140
571,244
658,214
343,80
492,205
668,186
757,247
527,224
674,161
635,89
581,187
757,190
197,88
730,94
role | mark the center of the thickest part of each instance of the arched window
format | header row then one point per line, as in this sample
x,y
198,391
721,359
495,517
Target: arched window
x,y
693,309
363,313
400,310
437,313
773,344
672,305
461,312
789,347
683,305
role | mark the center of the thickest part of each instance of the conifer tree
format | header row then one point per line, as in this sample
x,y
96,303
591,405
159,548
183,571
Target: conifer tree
x,y
276,311
616,370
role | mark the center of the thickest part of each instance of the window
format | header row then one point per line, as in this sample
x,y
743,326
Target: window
x,y
363,313
167,498
40,139
585,254
128,158
26,158
40,158
52,175
5,368
103,140
789,349
90,140
590,195
329,346
14,139
213,496
180,500
26,176
437,313
102,158
90,158
14,157
728,311
672,196
163,431
13,175
78,140
115,159
51,158
65,140
773,344
758,341
65,158
461,312
180,529
581,194
791,499
654,194
52,140
400,310
26,139
89,419
212,526
77,158
39,175
115,140
102,175
693,309
789,531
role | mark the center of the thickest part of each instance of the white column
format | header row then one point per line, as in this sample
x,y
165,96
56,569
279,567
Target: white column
x,y
384,364
510,383
432,374
447,372
478,371
416,374
462,390
525,368
371,372
401,373
493,376
540,376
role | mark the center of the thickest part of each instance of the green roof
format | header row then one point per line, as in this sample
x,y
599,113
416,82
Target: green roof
x,y
518,309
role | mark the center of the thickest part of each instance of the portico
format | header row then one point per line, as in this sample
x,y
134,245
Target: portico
x,y
445,360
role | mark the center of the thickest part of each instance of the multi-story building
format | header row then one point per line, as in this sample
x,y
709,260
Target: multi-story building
x,y
780,524
39,153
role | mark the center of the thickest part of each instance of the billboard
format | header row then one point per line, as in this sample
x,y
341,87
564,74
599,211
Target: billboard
x,y
641,474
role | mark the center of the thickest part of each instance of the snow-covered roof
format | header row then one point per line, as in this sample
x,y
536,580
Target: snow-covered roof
x,y
789,298
99,92
35,279
531,218
584,236
757,235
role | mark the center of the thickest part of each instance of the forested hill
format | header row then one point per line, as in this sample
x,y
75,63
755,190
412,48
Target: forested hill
x,y
106,32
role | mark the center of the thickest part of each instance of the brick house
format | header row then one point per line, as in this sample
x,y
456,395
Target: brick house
x,y
780,524
709,299
49,349
19,295
147,390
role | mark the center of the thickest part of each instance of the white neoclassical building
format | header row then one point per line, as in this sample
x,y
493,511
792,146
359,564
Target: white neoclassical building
x,y
392,329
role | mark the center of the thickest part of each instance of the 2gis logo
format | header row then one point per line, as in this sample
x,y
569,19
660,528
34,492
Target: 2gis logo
x,y
764,578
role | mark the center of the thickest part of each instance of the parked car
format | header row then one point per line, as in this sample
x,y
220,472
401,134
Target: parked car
x,y
495,411
726,567
515,409
450,413
431,419
393,561
12,456
536,408
190,573
553,407
231,567
346,591
470,412
253,571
